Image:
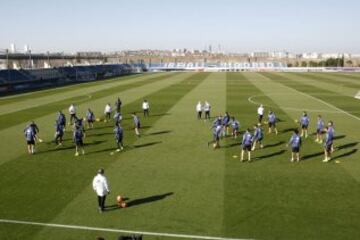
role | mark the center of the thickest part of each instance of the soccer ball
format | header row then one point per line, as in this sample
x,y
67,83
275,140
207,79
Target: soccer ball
x,y
119,199
98,119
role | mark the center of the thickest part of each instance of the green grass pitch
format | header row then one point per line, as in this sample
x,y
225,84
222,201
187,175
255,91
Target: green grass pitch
x,y
174,182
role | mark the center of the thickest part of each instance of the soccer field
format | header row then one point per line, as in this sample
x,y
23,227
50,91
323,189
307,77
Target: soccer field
x,y
174,182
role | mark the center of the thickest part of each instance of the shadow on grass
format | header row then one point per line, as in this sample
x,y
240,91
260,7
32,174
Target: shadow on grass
x,y
339,137
274,154
348,145
140,201
274,144
146,144
288,130
158,133
309,156
345,154
62,148
231,145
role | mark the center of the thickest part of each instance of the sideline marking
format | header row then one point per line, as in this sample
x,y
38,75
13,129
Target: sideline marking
x,y
250,99
170,235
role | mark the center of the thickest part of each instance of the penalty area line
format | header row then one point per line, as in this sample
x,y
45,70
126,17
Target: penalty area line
x,y
115,230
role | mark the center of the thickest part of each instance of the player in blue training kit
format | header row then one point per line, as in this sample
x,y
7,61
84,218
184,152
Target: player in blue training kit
x,y
61,119
226,124
59,133
78,138
304,123
90,118
272,122
329,141
30,139
246,145
258,136
117,118
137,124
295,143
319,129
119,135
235,126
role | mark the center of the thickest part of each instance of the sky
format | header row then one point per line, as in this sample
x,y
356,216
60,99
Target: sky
x,y
237,25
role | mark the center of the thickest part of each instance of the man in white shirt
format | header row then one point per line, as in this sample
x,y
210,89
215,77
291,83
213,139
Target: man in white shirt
x,y
199,110
260,112
145,107
101,188
72,112
107,112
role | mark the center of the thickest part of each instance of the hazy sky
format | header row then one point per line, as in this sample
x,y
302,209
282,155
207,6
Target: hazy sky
x,y
243,26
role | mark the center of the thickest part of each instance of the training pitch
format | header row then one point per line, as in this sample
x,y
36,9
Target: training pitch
x,y
176,186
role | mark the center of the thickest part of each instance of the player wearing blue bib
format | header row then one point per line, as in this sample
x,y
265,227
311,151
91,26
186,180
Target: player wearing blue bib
x,y
30,139
119,135
319,129
217,130
235,126
272,122
258,136
304,123
59,133
329,141
226,124
61,119
246,145
137,125
117,118
90,118
295,143
78,138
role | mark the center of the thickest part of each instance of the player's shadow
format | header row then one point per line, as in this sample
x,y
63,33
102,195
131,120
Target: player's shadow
x,y
345,154
159,114
63,148
348,145
274,154
146,144
309,156
158,133
140,201
274,144
339,137
288,130
99,134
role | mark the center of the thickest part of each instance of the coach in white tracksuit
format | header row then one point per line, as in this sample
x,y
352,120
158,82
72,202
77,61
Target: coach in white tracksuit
x,y
101,187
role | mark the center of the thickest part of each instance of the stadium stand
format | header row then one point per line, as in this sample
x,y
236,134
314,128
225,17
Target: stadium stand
x,y
29,79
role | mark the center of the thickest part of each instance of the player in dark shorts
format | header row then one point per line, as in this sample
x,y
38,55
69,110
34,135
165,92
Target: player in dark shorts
x,y
59,133
118,105
258,136
137,124
61,119
246,145
90,118
329,141
78,138
319,129
226,124
235,126
119,135
295,143
272,122
304,123
117,118
30,140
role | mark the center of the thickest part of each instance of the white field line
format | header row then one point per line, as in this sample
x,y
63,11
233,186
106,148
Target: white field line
x,y
76,227
251,100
